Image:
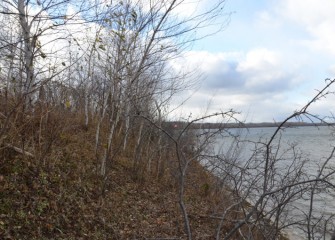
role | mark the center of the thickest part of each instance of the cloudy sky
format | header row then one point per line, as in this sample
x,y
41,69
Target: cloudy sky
x,y
268,62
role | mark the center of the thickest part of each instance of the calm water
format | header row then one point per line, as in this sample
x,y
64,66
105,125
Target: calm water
x,y
314,145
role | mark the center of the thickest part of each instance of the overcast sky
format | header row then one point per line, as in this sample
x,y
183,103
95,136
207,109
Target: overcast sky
x,y
268,62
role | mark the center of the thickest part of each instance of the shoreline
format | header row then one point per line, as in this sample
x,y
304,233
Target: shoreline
x,y
179,125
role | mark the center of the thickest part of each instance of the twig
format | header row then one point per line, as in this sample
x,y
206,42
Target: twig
x,y
19,150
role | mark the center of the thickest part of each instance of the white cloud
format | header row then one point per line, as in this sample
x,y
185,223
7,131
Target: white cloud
x,y
258,59
255,71
262,70
188,8
251,82
309,12
270,63
316,17
266,20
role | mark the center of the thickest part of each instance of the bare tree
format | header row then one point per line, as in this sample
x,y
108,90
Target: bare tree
x,y
135,47
272,179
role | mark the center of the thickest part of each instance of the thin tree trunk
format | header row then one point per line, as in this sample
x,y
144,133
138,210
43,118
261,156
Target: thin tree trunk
x,y
29,43
108,150
137,147
127,126
159,139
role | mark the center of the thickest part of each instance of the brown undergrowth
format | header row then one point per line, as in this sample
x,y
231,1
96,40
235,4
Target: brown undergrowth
x,y
57,194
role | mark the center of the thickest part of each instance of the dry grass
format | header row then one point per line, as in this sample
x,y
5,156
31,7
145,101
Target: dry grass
x,y
57,194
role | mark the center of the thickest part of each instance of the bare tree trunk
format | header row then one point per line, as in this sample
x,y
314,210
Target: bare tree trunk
x,y
137,152
29,43
109,146
97,133
87,102
127,124
159,141
182,175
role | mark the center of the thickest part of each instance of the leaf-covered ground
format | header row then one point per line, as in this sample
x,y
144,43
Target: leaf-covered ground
x,y
60,196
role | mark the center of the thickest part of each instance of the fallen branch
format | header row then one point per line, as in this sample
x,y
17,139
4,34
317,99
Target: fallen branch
x,y
19,150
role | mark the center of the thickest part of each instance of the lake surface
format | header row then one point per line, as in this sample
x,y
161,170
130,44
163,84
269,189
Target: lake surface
x,y
312,145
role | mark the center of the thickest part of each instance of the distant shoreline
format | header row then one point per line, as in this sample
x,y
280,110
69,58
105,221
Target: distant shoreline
x,y
268,124
181,125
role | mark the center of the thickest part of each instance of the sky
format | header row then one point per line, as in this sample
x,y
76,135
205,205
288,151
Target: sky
x,y
268,62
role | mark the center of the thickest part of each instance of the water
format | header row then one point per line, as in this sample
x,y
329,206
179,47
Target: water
x,y
307,147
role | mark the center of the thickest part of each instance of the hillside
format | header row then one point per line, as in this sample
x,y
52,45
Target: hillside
x,y
61,196
87,151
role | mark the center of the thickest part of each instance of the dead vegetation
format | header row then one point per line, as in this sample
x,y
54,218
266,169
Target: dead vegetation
x,y
53,191
86,148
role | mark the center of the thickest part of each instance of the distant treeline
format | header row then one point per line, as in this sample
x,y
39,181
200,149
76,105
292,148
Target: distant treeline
x,y
180,125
